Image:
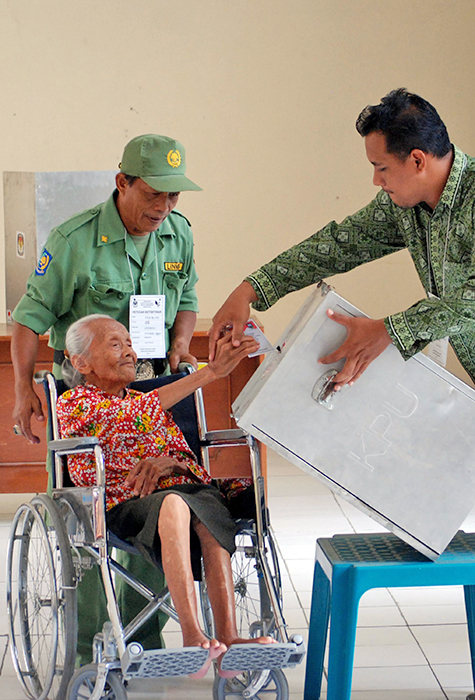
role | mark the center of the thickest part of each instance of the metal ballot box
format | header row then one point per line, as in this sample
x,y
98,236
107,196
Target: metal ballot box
x,y
399,444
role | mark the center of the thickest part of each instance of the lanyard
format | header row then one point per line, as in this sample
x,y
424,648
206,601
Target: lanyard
x,y
156,266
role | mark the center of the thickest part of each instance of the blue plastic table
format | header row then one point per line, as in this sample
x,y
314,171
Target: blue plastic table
x,y
347,566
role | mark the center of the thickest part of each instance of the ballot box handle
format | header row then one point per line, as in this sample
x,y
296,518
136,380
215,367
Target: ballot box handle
x,y
323,391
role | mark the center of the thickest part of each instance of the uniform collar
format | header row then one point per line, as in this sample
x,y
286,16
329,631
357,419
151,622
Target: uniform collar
x,y
452,186
111,229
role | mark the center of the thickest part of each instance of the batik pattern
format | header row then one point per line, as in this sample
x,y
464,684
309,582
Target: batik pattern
x,y
442,246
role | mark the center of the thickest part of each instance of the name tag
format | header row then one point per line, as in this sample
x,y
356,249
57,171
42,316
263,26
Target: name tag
x,y
147,325
173,266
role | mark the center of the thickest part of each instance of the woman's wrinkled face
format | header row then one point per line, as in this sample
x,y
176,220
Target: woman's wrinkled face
x,y
110,361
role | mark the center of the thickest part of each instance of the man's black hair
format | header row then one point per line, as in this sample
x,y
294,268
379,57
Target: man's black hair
x,y
407,121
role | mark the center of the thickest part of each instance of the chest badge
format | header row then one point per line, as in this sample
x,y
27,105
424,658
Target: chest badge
x,y
173,266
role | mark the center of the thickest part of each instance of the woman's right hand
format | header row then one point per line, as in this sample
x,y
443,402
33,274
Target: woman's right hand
x,y
227,356
146,474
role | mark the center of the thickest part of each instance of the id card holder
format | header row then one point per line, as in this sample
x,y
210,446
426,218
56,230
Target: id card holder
x,y
147,325
437,350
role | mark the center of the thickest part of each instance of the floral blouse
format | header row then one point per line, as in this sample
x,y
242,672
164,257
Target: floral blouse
x,y
129,429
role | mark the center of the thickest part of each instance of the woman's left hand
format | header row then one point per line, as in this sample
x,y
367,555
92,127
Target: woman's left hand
x,y
144,477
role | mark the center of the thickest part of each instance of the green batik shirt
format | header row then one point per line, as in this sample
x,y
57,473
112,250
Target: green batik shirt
x,y
442,246
90,266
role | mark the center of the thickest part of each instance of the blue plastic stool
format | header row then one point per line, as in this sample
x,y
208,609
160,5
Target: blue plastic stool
x,y
349,565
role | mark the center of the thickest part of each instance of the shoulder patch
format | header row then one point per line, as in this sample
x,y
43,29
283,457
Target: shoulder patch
x,y
175,211
43,262
78,220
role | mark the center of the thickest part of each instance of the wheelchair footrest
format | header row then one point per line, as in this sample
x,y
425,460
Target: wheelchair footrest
x,y
258,657
155,663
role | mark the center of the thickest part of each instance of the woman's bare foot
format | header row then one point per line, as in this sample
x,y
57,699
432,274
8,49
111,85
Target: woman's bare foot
x,y
239,640
215,648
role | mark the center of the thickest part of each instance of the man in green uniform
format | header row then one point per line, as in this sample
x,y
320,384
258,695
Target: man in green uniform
x,y
426,204
132,244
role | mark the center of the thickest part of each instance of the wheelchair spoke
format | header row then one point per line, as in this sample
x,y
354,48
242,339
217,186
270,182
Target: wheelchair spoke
x,y
274,688
41,601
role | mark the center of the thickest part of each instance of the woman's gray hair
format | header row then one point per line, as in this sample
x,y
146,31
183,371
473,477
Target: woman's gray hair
x,y
78,341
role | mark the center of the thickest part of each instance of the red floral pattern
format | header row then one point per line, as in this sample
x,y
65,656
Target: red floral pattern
x,y
129,429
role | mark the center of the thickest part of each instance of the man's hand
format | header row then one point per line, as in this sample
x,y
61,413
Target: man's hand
x,y
144,477
24,349
27,404
180,338
179,354
366,340
233,315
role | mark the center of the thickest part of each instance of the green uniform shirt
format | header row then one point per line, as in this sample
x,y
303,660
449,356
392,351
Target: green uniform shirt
x,y
442,246
89,265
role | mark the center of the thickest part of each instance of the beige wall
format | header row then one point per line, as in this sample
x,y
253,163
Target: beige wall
x,y
263,93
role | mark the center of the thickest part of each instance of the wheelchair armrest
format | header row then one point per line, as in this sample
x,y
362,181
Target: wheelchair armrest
x,y
72,445
217,436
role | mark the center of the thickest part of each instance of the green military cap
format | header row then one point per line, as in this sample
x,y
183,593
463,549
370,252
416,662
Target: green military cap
x,y
159,161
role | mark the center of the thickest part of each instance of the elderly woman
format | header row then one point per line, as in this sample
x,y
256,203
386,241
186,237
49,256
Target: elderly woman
x,y
157,495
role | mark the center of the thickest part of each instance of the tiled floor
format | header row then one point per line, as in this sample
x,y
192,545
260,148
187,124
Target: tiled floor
x,y
412,643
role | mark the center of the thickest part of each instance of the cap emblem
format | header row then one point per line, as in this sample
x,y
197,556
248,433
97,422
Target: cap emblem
x,y
174,158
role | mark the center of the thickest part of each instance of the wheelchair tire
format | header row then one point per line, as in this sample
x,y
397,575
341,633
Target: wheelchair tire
x,y
252,604
41,600
274,688
251,598
81,685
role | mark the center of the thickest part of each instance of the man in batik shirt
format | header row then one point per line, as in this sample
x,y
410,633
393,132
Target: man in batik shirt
x,y
426,204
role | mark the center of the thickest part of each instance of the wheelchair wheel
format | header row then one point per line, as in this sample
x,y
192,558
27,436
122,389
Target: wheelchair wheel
x,y
41,600
82,685
254,615
275,686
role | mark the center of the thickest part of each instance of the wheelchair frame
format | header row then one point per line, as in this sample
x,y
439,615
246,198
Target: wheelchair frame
x,y
73,522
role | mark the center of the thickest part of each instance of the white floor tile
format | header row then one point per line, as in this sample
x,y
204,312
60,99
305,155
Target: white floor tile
x,y
458,693
440,634
433,614
376,596
381,616
454,675
391,655
293,486
408,678
447,653
429,595
419,694
384,636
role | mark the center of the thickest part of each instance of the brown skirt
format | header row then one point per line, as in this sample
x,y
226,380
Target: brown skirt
x,y
136,520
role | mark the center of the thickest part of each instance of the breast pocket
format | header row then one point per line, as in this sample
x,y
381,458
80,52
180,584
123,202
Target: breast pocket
x,y
173,285
109,297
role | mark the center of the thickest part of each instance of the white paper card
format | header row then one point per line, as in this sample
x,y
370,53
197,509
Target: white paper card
x,y
253,330
437,351
147,325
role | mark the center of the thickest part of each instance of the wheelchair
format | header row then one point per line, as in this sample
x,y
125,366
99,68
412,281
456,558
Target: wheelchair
x,y
55,539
